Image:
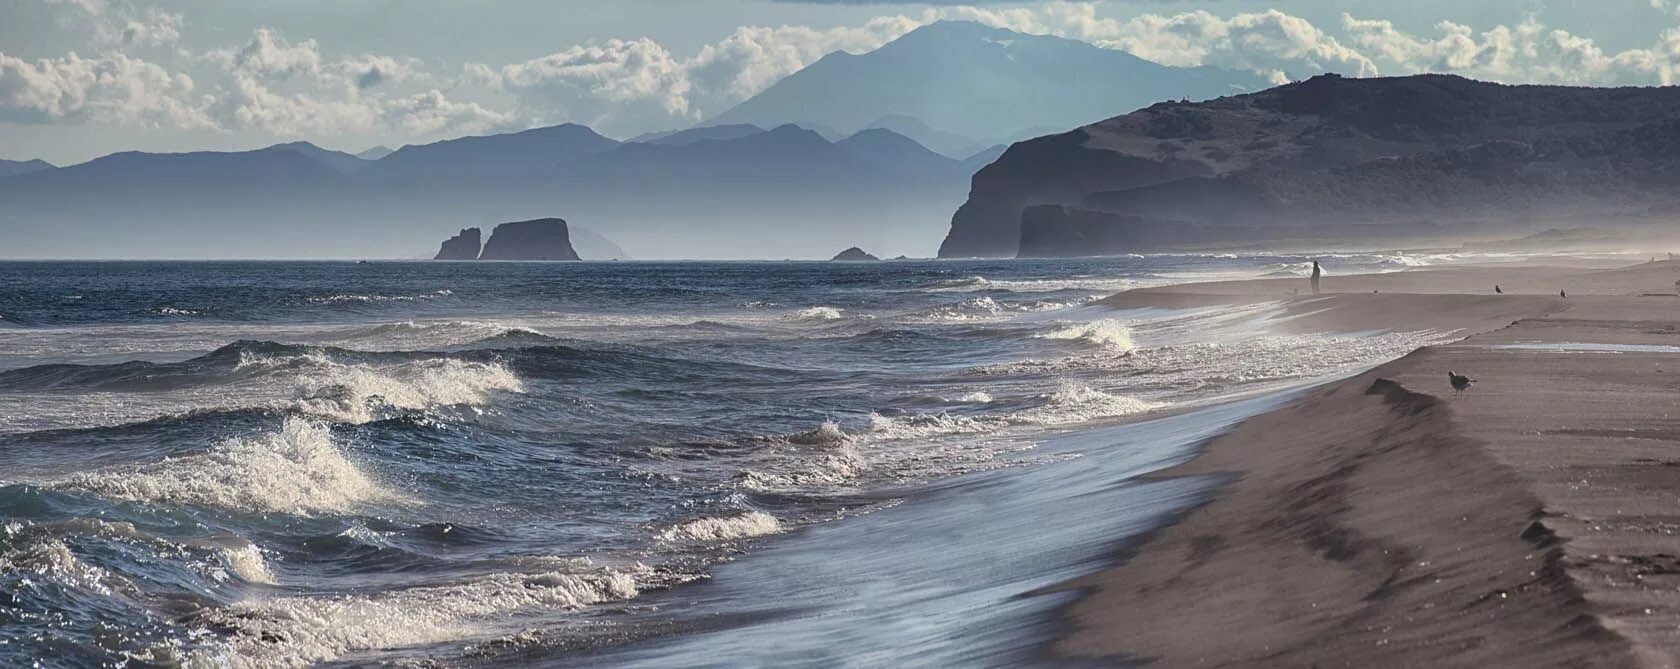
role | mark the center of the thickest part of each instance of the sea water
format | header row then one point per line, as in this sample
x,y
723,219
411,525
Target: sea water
x,y
290,463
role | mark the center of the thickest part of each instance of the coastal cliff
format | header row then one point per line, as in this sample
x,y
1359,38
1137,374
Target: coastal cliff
x,y
463,246
536,239
1405,158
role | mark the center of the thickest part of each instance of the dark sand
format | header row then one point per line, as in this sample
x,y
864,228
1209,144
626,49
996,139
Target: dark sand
x,y
1383,521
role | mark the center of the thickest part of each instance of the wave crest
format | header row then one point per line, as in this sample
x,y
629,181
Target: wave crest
x,y
297,469
724,528
1108,333
818,313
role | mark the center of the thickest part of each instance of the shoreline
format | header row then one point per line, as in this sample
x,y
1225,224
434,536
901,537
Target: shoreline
x,y
1379,520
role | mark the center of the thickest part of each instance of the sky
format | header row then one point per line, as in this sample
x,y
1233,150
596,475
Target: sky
x,y
84,78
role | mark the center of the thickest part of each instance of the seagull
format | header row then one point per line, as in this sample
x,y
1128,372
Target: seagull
x,y
1498,290
1460,382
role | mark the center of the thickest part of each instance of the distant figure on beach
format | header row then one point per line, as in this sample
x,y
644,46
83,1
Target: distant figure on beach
x,y
1317,272
1460,382
1563,294
1498,290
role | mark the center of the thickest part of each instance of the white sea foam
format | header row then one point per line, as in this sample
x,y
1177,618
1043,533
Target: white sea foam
x,y
356,393
343,298
1101,284
1075,403
1109,333
247,563
297,469
724,528
916,426
827,434
976,397
176,311
818,313
833,467
302,631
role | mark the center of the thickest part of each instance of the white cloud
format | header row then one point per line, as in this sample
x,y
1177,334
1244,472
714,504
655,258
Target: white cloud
x,y
628,86
753,57
616,82
431,113
271,56
113,89
1525,53
122,24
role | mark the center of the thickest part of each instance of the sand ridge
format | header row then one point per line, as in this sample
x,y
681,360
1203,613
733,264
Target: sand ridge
x,y
1383,521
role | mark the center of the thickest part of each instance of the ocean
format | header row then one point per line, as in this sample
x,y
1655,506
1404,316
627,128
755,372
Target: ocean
x,y
600,463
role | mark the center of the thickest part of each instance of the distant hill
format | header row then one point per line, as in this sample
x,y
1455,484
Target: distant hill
x,y
591,245
719,192
517,154
338,160
890,148
375,152
983,157
703,133
1428,157
294,163
947,143
15,167
978,82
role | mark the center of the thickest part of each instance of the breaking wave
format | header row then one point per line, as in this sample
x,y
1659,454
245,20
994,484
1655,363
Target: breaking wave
x,y
297,469
724,528
360,393
1108,333
303,631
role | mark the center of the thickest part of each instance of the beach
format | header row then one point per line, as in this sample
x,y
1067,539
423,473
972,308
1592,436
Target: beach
x,y
1383,520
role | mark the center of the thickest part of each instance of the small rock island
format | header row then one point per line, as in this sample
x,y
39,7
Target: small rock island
x,y
536,239
854,254
464,246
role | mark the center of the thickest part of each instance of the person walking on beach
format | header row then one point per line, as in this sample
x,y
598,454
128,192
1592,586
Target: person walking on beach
x,y
1317,272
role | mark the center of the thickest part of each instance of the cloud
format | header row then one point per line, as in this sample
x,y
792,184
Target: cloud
x,y
617,82
270,56
624,87
752,58
1525,53
122,24
431,113
113,89
367,70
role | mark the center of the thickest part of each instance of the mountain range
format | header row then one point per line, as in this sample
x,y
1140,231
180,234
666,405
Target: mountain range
x,y
701,193
874,150
1397,160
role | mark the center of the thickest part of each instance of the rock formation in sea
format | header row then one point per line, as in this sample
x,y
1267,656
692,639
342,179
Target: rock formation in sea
x,y
536,239
464,246
854,254
1370,160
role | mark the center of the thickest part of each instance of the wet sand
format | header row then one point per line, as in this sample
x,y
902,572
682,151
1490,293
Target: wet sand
x,y
1383,520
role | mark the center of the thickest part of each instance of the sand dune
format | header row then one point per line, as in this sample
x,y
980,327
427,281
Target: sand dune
x,y
1383,521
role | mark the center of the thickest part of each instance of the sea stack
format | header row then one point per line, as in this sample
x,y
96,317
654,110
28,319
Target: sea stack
x,y
538,239
854,254
463,246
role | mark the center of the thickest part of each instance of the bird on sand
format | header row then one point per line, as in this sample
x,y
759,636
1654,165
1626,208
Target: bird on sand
x,y
1498,290
1563,294
1460,382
